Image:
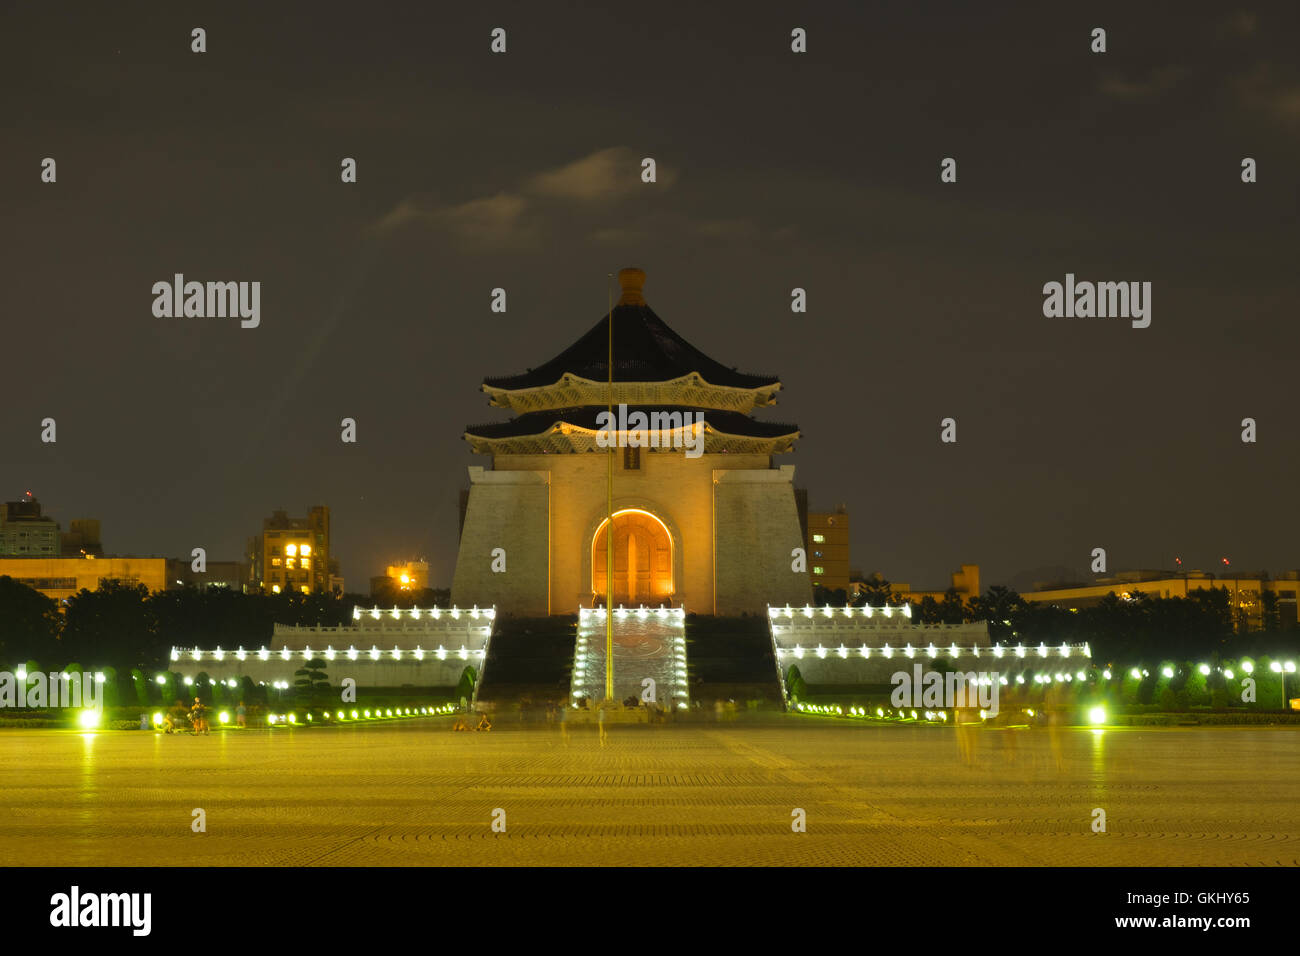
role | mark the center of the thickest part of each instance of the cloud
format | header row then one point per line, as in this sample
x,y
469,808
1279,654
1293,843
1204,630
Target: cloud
x,y
1272,90
611,173
617,235
1242,23
1157,82
745,229
493,219
595,182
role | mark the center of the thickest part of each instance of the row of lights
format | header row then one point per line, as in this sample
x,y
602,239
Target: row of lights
x,y
1065,650
366,714
881,713
808,611
292,718
352,653
1277,667
232,682
1096,715
434,612
622,612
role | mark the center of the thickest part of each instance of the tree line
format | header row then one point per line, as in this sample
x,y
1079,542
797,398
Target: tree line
x,y
1141,627
124,626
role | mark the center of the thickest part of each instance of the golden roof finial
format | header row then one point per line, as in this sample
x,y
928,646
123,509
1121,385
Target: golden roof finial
x,y
631,280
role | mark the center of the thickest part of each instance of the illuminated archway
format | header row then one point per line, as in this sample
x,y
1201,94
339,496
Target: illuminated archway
x,y
643,559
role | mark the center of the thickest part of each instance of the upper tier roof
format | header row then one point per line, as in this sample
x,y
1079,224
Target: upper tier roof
x,y
645,350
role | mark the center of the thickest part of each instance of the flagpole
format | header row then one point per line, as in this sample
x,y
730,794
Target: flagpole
x,y
609,527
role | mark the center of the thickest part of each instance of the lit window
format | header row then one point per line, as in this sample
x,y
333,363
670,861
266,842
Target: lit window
x,y
288,562
304,589
275,562
290,549
304,563
306,549
819,570
819,539
275,588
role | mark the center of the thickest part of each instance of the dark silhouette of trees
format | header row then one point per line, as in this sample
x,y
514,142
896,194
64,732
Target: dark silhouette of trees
x,y
29,623
998,606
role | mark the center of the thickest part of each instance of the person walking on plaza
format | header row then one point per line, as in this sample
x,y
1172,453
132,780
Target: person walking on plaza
x,y
172,719
600,722
563,718
241,715
198,719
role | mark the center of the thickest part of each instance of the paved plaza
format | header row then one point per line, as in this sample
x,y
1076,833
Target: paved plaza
x,y
414,794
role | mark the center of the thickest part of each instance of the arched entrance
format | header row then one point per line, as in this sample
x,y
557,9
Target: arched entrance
x,y
643,560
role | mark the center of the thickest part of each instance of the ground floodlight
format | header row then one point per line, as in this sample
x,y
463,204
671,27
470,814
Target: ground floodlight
x,y
224,717
1167,671
89,718
1097,715
157,720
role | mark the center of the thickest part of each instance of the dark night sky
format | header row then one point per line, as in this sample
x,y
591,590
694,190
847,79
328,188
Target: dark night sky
x,y
776,171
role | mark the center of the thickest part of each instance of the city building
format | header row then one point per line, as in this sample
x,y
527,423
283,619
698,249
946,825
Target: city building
x,y
61,578
81,538
965,582
828,548
410,576
219,574
293,554
703,517
1250,592
25,532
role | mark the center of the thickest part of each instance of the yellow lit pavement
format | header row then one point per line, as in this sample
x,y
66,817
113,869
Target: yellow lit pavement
x,y
416,794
